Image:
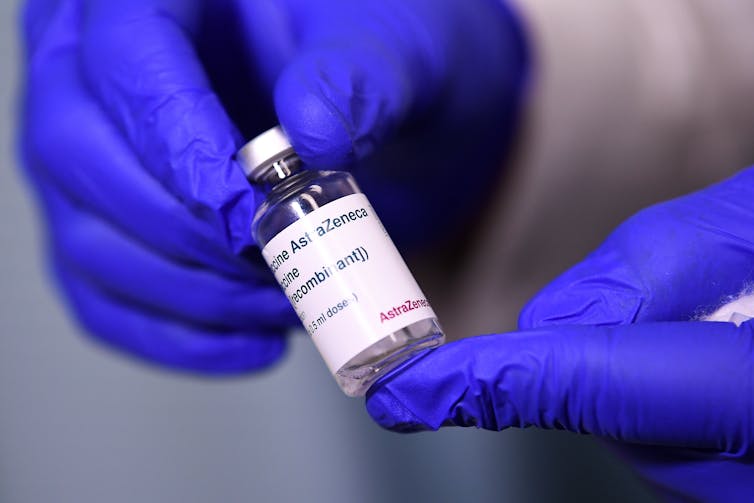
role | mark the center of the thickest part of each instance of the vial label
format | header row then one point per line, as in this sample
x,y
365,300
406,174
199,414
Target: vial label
x,y
345,278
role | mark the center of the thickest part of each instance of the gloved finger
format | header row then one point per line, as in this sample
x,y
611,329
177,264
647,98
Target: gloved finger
x,y
671,261
676,384
365,67
165,341
149,333
123,269
270,38
39,16
138,60
96,168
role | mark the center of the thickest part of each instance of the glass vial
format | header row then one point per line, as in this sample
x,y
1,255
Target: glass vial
x,y
336,264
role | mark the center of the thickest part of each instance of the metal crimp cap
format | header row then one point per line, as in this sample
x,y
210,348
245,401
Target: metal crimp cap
x,y
258,156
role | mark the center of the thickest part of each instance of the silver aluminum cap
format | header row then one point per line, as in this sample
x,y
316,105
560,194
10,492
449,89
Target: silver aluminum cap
x,y
258,156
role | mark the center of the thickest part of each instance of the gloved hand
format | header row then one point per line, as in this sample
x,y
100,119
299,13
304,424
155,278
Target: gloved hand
x,y
611,350
134,110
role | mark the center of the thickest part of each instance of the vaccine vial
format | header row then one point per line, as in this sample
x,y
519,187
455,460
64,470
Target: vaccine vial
x,y
337,265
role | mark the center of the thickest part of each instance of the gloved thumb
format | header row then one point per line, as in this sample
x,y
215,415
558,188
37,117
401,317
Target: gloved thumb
x,y
338,104
363,69
359,72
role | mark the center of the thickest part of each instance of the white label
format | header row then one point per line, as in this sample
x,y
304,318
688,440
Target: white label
x,y
345,278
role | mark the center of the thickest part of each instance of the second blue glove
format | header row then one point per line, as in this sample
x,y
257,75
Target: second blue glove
x,y
611,351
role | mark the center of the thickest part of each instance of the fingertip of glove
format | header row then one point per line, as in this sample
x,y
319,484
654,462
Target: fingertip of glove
x,y
390,412
314,127
337,106
232,358
259,355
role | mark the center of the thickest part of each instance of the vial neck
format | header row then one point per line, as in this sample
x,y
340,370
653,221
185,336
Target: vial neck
x,y
282,169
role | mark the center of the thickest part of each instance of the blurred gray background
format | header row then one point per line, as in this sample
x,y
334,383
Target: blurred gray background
x,y
79,424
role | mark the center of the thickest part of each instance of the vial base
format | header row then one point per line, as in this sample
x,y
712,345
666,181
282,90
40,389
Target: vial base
x,y
356,376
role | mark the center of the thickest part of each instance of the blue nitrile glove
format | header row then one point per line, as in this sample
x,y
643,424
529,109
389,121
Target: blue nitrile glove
x,y
612,351
134,110
148,218
439,81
